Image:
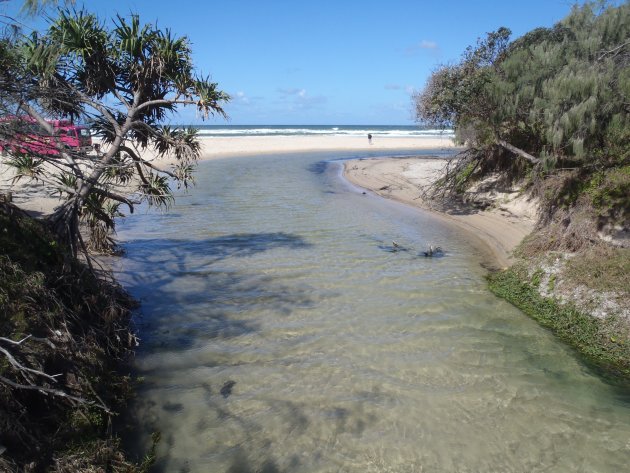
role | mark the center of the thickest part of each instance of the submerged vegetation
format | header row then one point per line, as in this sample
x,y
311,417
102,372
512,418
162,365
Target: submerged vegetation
x,y
603,342
551,112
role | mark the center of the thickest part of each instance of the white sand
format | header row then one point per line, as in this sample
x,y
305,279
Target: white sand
x,y
497,230
36,199
500,229
220,147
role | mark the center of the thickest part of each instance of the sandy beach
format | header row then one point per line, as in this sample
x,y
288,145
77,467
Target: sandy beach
x,y
497,230
37,200
221,147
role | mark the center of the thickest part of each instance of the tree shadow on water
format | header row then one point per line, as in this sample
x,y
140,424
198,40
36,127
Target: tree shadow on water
x,y
186,294
253,445
188,298
211,250
318,167
192,297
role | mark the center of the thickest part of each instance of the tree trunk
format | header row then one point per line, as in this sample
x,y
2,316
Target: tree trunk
x,y
65,220
519,151
64,223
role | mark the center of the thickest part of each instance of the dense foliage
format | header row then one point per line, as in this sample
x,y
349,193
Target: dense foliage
x,y
559,95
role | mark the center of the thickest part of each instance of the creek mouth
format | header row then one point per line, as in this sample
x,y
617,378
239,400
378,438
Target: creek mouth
x,y
281,332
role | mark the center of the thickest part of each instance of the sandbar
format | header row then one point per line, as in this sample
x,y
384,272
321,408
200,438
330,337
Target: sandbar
x,y
221,147
497,230
37,199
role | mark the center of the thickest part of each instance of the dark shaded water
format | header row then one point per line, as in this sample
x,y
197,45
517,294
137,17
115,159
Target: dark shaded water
x,y
281,332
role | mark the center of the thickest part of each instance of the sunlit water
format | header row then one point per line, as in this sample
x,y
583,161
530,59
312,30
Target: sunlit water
x,y
281,333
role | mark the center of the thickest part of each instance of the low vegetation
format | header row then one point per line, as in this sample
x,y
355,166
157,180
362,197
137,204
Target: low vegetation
x,y
64,334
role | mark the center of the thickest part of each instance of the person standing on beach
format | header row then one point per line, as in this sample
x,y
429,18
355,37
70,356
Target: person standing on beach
x,y
370,138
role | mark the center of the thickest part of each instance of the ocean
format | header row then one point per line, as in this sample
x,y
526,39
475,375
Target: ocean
x,y
339,130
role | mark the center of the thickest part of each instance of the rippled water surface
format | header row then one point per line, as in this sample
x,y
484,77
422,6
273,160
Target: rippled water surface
x,y
281,333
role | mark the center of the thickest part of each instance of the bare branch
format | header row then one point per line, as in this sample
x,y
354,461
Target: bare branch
x,y
613,51
102,109
121,98
16,364
37,117
54,392
152,103
12,342
136,157
114,196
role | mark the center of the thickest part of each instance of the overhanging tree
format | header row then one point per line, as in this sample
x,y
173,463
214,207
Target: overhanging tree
x,y
555,97
125,80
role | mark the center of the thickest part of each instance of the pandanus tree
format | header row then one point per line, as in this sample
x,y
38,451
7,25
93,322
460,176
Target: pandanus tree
x,y
125,80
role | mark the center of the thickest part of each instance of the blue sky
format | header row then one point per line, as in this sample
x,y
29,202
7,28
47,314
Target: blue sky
x,y
327,62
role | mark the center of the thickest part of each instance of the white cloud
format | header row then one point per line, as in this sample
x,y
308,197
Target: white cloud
x,y
292,92
407,88
239,100
424,44
240,97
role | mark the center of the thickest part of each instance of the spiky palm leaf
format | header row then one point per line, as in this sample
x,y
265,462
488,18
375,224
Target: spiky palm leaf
x,y
156,191
25,165
120,170
66,181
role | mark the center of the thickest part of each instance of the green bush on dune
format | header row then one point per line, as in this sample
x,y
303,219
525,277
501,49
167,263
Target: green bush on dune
x,y
549,110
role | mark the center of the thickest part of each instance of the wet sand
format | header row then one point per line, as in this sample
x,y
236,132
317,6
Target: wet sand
x,y
498,230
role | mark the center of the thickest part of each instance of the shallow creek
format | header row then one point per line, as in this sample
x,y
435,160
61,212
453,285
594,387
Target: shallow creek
x,y
281,332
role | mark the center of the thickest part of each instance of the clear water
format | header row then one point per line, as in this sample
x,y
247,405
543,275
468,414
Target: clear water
x,y
281,333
